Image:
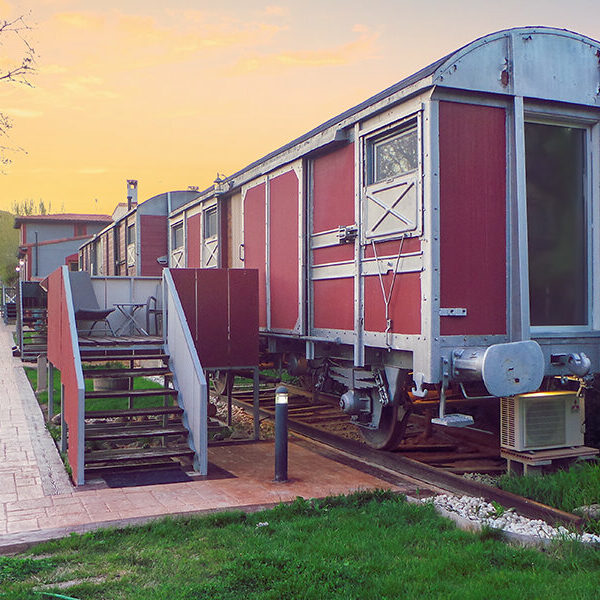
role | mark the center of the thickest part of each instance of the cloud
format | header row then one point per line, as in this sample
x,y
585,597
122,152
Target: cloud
x,y
92,171
117,41
80,20
52,69
88,85
276,11
23,113
348,53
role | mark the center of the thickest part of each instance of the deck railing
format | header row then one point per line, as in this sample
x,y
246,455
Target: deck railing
x,y
113,290
187,371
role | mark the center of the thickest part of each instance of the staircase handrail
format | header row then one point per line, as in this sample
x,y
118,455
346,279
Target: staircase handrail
x,y
64,354
188,375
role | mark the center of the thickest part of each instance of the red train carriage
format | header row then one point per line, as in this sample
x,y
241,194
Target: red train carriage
x,y
436,238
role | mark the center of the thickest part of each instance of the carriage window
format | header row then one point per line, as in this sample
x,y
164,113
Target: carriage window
x,y
177,235
556,224
210,222
392,155
131,234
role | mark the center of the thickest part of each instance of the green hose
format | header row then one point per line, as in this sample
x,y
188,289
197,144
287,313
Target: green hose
x,y
56,595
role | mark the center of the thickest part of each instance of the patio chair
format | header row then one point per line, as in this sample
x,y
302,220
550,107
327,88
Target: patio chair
x,y
152,312
85,302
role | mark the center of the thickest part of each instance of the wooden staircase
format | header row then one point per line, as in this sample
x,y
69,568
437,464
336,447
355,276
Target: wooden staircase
x,y
132,428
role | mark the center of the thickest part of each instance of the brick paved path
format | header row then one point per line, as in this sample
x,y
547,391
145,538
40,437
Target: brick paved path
x,y
38,502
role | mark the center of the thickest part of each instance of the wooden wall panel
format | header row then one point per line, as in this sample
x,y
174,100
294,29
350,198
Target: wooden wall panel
x,y
473,218
404,307
333,305
284,260
193,240
153,241
255,243
333,189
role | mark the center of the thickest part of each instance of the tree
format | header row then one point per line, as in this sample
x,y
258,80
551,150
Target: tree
x,y
14,34
31,207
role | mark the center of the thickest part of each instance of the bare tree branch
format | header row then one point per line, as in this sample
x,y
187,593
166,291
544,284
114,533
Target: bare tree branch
x,y
10,32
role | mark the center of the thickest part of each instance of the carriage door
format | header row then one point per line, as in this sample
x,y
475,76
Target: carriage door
x,y
390,209
210,238
331,229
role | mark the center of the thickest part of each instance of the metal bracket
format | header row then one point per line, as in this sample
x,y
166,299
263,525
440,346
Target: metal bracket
x,y
453,312
346,234
382,388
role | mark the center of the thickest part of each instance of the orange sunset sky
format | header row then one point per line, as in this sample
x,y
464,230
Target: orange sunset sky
x,y
172,92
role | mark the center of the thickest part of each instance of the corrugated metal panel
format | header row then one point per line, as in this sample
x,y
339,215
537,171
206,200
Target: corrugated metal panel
x,y
255,243
283,228
473,217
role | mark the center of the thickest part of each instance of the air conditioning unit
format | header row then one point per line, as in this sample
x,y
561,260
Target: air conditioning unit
x,y
541,420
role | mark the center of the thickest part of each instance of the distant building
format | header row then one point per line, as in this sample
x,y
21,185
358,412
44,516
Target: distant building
x,y
137,237
49,241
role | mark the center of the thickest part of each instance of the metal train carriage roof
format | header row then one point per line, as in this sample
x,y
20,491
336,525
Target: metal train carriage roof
x,y
433,70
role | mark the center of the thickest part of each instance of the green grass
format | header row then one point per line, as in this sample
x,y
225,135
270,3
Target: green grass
x,y
140,383
367,546
564,489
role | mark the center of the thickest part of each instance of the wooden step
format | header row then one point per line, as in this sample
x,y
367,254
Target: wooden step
x,y
134,412
135,372
122,431
123,357
160,391
106,342
135,454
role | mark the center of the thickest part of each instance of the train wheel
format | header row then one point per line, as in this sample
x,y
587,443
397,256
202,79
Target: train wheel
x,y
390,431
223,382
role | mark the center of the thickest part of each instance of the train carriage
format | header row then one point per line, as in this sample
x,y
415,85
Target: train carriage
x,y
437,238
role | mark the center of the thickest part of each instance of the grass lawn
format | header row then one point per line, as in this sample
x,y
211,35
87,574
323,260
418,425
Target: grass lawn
x,y
368,545
565,489
140,383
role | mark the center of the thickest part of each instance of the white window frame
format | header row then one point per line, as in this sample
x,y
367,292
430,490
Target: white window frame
x,y
582,120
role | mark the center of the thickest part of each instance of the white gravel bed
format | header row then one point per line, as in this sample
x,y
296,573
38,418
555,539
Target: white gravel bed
x,y
481,513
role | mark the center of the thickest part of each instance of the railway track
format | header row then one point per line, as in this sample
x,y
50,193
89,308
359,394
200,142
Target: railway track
x,y
434,460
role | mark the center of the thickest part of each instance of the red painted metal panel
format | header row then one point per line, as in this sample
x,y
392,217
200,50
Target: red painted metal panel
x,y
255,243
332,254
153,243
473,218
185,283
194,240
211,334
243,317
283,230
404,307
60,354
221,309
333,189
391,248
333,303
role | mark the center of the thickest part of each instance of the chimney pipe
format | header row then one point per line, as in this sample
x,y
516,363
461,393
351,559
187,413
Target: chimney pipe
x,y
131,193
